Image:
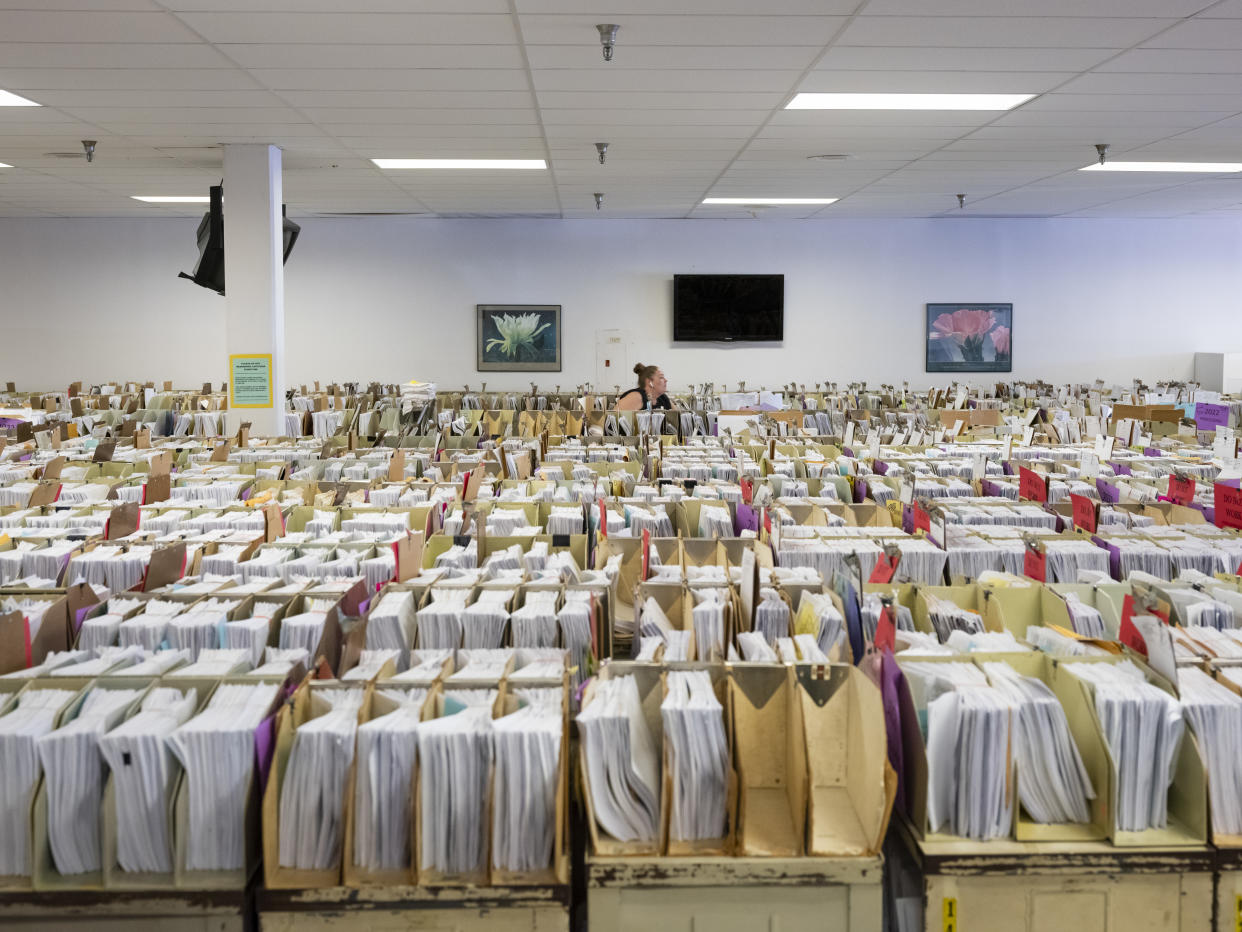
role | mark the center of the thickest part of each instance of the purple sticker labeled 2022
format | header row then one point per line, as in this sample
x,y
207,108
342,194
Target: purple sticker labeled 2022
x,y
1211,416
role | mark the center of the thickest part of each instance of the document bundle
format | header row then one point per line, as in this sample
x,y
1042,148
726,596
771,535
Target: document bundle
x,y
622,762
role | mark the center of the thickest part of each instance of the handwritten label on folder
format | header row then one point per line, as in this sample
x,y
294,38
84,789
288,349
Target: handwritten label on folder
x,y
1086,513
1031,485
1228,501
1181,491
1210,416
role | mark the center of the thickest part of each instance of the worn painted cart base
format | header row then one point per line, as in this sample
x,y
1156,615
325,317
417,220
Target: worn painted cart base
x,y
389,909
118,911
734,894
1010,886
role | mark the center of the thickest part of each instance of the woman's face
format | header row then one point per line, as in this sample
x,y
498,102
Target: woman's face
x,y
659,384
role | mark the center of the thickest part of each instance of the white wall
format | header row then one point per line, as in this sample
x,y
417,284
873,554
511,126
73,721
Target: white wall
x,y
394,299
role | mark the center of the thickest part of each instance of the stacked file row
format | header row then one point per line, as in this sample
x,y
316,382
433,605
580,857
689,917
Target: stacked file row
x,y
132,782
742,759
465,781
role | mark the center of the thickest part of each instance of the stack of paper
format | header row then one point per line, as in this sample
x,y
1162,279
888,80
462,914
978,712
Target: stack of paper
x,y
100,631
708,617
249,634
819,617
216,749
455,769
574,620
948,616
313,791
772,616
371,662
142,773
1143,727
968,741
277,662
391,622
216,662
1053,784
754,647
484,623
623,763
527,747
383,787
74,779
534,624
1087,621
440,624
698,756
303,630
20,730
1215,714
196,630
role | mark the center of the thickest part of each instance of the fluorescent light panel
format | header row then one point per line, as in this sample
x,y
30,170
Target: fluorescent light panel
x,y
770,200
9,99
487,164
907,101
1207,167
5,165
172,199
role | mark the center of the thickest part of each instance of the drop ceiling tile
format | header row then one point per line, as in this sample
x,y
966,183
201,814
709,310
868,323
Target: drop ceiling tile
x,y
87,54
392,79
674,57
1000,31
154,79
1066,8
932,82
720,32
1209,102
657,118
1200,34
1156,84
335,6
452,100
42,25
346,27
931,58
1174,61
568,79
658,100
71,100
329,56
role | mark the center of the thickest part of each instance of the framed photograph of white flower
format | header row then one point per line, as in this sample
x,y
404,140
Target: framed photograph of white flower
x,y
969,338
519,337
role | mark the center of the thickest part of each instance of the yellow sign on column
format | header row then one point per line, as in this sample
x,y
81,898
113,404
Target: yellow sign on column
x,y
250,380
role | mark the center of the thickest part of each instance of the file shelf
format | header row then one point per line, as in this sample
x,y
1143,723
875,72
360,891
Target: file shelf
x,y
464,909
1012,886
685,893
114,911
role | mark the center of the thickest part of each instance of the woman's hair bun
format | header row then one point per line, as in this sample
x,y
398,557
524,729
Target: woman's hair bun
x,y
638,368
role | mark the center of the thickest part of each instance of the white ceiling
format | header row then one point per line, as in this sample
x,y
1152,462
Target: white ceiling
x,y
691,105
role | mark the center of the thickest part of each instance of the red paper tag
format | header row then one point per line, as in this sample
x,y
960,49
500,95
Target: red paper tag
x,y
748,491
603,519
1228,501
1129,634
646,552
767,522
1086,513
1031,485
1181,491
396,561
1035,564
922,520
886,630
884,570
26,640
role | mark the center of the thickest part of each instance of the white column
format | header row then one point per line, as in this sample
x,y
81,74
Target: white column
x,y
254,274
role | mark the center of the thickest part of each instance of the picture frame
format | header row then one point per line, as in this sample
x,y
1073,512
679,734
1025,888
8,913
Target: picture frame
x,y
518,337
968,337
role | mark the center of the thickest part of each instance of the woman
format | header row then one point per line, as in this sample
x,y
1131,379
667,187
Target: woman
x,y
650,391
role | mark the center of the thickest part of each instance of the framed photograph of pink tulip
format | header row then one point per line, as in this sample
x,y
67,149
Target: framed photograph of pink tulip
x,y
969,337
